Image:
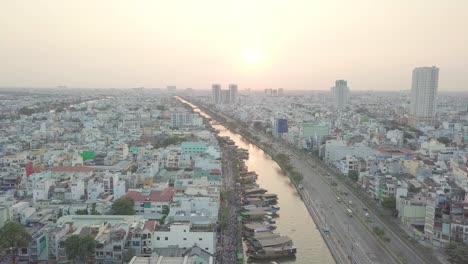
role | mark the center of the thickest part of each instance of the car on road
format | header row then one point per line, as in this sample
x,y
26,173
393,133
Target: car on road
x,y
338,199
364,208
367,215
300,187
350,202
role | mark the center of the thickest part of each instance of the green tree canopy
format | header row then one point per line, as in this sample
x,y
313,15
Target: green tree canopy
x,y
444,140
77,247
14,235
389,203
161,107
282,158
173,140
457,253
128,255
93,210
353,175
123,206
81,212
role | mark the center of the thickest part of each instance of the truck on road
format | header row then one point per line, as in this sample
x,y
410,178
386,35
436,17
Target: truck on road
x,y
350,213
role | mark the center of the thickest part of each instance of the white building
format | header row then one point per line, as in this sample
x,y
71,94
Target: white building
x,y
94,189
119,190
337,149
41,190
340,93
396,137
349,163
5,214
423,95
77,189
185,235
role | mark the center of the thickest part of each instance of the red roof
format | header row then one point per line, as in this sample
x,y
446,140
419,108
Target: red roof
x,y
150,225
394,151
71,169
215,172
154,196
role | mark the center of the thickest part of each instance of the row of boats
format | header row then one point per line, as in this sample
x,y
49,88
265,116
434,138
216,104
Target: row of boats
x,y
258,217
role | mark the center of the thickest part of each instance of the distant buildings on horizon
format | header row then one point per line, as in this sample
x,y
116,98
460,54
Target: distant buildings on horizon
x,y
228,96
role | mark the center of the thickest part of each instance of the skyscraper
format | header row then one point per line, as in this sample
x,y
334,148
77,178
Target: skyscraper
x,y
340,94
423,95
225,97
233,93
280,91
216,93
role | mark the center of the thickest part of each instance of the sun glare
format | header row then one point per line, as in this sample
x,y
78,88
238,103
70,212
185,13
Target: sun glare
x,y
252,56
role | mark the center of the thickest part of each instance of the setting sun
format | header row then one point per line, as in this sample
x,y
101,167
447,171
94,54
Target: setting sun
x,y
252,56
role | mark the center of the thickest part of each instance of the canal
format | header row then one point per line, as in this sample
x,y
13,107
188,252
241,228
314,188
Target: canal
x,y
294,219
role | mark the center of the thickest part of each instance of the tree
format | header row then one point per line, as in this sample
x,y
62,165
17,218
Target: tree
x,y
457,253
353,175
408,135
123,206
87,246
258,126
282,158
378,231
81,212
72,247
93,210
165,210
389,203
77,247
128,255
444,140
296,176
134,168
174,140
26,111
14,235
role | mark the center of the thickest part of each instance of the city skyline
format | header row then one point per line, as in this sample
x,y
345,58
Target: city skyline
x,y
221,132
299,46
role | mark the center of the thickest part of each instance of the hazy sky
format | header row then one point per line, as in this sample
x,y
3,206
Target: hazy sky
x,y
374,44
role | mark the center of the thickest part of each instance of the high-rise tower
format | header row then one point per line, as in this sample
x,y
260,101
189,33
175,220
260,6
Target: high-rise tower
x,y
340,94
233,93
216,93
423,95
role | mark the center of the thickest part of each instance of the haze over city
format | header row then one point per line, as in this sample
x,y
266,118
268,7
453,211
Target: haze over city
x,y
256,44
234,132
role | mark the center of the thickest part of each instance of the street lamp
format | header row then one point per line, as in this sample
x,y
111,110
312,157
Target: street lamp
x,y
12,254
